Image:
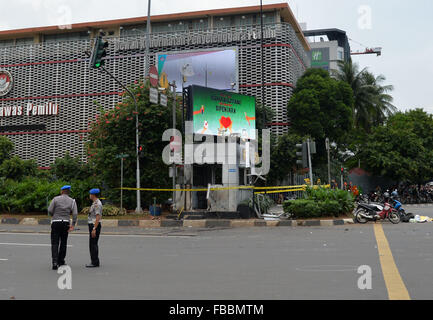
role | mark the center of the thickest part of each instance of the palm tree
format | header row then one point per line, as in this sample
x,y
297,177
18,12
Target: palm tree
x,y
381,106
373,104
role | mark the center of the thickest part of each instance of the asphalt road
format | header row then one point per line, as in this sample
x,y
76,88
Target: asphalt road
x,y
251,263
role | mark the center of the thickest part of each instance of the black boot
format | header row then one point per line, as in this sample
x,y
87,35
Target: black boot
x,y
92,265
55,266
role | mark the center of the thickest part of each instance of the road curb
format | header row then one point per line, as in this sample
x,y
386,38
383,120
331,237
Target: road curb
x,y
204,223
29,222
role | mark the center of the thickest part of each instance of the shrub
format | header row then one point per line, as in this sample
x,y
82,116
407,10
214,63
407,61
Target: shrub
x,y
29,195
263,201
320,202
33,194
302,208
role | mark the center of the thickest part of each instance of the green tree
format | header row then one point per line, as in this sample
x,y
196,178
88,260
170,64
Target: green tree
x,y
372,101
402,149
6,148
69,168
283,157
113,133
16,169
321,107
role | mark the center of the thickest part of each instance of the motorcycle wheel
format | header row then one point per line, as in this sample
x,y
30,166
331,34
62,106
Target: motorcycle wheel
x,y
359,218
394,217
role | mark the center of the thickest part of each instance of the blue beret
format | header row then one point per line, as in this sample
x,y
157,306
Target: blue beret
x,y
66,188
95,191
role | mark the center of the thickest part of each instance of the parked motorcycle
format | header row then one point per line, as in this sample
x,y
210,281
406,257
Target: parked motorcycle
x,y
404,216
373,212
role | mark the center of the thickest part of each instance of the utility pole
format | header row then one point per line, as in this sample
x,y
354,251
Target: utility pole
x,y
122,157
121,184
261,62
148,39
328,147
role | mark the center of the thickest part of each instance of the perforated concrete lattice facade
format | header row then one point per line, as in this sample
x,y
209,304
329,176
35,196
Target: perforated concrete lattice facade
x,y
58,73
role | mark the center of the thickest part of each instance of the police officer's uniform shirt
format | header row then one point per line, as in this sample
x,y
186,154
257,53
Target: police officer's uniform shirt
x,y
95,209
61,207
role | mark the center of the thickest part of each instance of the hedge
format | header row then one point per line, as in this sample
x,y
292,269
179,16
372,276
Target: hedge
x,y
320,202
32,195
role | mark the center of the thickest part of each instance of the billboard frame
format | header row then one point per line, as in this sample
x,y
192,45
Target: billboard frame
x,y
235,48
189,104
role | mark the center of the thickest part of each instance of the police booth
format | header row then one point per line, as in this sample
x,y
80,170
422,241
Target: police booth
x,y
219,135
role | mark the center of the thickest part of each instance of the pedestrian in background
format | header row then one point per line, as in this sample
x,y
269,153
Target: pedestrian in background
x,y
94,221
60,208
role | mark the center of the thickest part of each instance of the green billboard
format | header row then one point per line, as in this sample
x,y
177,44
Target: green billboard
x,y
223,113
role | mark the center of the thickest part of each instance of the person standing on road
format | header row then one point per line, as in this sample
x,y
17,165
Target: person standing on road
x,y
60,209
94,221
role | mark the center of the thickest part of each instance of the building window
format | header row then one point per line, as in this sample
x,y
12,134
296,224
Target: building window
x,y
49,38
199,24
7,43
224,22
245,20
24,41
131,31
268,18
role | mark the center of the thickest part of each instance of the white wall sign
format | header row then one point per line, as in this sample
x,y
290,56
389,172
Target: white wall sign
x,y
192,39
47,109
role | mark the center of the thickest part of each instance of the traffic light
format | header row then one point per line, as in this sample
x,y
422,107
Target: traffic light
x,y
98,53
141,152
302,154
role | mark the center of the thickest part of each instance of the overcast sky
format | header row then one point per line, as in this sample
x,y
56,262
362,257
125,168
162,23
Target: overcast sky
x,y
401,27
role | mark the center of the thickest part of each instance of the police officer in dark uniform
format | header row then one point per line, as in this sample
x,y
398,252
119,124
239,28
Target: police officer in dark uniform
x,y
94,222
60,208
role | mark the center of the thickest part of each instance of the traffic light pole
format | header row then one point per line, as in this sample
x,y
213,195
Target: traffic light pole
x,y
137,139
309,162
100,54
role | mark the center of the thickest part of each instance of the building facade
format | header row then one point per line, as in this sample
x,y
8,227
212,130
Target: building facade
x,y
52,95
328,47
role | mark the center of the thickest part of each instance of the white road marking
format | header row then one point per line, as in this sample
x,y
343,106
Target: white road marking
x,y
328,268
109,235
4,259
27,244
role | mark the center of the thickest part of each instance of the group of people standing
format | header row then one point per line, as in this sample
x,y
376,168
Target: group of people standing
x,y
61,208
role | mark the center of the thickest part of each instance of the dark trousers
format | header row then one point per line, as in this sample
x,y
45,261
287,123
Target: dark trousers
x,y
93,244
59,241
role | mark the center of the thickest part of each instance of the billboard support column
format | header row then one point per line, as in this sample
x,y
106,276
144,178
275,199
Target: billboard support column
x,y
173,85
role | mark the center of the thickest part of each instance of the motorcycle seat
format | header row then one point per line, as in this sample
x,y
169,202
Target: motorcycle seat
x,y
370,206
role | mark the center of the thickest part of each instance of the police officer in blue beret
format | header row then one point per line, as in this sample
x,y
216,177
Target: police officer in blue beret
x,y
60,208
94,222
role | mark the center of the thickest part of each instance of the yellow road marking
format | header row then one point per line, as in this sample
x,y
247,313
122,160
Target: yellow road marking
x,y
393,281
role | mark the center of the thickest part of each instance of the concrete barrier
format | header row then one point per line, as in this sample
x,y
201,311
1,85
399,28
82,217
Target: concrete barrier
x,y
109,223
29,222
149,223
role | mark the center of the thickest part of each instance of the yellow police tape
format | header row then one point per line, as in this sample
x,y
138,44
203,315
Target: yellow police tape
x,y
277,189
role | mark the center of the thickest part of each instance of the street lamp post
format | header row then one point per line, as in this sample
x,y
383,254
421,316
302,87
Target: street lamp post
x,y
174,130
148,39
